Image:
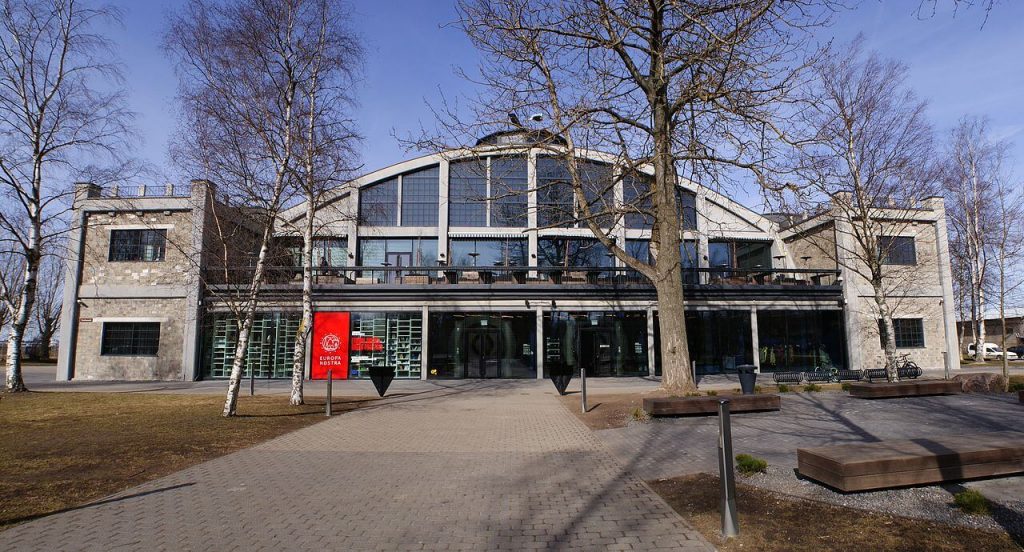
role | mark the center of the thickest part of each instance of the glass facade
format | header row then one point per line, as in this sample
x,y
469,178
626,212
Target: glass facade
x,y
378,204
467,193
508,191
791,340
607,343
488,252
386,339
482,345
634,195
719,341
556,205
270,352
472,196
419,197
573,252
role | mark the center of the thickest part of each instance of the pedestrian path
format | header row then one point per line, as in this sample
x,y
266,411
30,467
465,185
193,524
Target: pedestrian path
x,y
474,466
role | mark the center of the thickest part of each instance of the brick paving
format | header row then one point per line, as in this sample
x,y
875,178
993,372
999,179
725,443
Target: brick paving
x,y
677,446
475,466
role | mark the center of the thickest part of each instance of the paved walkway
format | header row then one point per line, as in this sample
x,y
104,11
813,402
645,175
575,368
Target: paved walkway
x,y
474,466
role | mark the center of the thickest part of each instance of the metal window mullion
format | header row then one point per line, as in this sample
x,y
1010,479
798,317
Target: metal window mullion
x,y
487,194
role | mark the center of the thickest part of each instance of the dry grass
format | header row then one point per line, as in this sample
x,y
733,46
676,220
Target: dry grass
x,y
60,450
771,523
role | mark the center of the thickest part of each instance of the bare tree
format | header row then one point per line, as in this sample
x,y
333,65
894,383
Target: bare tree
x,y
48,301
58,114
868,163
669,88
971,175
241,67
325,146
1008,244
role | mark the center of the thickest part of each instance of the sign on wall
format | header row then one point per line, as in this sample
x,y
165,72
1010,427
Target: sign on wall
x,y
330,345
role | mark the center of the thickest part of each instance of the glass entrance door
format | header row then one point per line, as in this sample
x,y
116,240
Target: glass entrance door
x,y
397,260
483,353
596,351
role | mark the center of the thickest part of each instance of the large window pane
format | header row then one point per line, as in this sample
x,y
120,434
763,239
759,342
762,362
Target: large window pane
x,y
378,204
130,338
798,341
467,193
419,197
752,255
606,343
386,339
719,341
897,250
573,252
270,352
508,191
554,194
137,245
488,252
483,345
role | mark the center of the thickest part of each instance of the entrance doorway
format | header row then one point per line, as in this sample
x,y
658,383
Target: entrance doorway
x,y
596,351
397,260
484,353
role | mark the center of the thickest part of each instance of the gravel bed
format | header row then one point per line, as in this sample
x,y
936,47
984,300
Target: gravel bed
x,y
933,502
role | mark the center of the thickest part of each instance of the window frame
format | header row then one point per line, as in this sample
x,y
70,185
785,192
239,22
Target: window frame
x,y
140,246
135,329
904,334
893,251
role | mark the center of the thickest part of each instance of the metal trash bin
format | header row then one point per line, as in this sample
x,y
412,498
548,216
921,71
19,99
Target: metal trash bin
x,y
748,377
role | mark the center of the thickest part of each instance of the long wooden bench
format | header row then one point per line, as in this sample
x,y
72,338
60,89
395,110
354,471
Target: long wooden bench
x,y
888,464
865,390
683,406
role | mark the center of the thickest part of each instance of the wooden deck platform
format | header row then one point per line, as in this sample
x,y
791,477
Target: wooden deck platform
x,y
887,390
922,461
683,406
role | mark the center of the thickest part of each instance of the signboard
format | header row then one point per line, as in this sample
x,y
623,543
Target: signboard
x,y
330,345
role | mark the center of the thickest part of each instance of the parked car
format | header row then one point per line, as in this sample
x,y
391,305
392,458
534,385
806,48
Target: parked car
x,y
1017,350
992,351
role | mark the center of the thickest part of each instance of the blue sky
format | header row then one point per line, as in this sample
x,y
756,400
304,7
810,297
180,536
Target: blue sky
x,y
959,66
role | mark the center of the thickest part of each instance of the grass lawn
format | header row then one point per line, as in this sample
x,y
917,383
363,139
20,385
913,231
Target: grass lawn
x,y
60,450
769,522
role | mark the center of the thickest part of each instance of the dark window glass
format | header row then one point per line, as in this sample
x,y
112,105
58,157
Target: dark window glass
x,y
800,340
554,194
483,345
137,245
130,338
636,202
605,343
719,341
909,332
573,252
467,193
378,204
640,250
508,190
419,197
599,192
897,250
720,255
488,252
752,255
686,203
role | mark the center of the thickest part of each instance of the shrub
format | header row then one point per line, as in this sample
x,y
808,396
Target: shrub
x,y
749,465
757,389
712,393
783,388
639,415
846,386
1017,386
971,501
812,387
692,394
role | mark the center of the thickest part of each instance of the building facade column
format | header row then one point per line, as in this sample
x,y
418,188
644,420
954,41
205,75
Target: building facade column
x,y
755,342
651,353
424,342
539,353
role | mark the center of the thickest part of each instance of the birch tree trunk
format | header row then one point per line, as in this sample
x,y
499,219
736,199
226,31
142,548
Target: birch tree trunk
x,y
15,381
306,325
888,333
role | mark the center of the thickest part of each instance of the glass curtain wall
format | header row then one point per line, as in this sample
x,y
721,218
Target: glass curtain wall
x,y
799,341
386,339
488,252
719,340
607,343
397,253
483,345
269,354
641,250
419,197
573,252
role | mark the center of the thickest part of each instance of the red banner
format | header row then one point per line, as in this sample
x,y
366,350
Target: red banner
x,y
330,345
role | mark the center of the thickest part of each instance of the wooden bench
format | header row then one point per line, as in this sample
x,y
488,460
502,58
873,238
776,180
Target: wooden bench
x,y
683,406
886,464
864,390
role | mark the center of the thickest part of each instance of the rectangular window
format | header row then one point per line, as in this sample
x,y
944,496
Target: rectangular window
x,y
897,250
419,197
378,204
909,332
488,252
137,245
130,338
467,201
508,191
555,205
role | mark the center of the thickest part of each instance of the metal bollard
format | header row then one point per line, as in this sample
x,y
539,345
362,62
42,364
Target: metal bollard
x,y
730,523
583,387
330,380
945,362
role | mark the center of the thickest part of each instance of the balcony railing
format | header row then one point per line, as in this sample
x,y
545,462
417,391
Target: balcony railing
x,y
527,275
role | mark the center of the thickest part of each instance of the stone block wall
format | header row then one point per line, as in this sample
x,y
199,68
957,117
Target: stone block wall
x,y
166,365
929,309
173,270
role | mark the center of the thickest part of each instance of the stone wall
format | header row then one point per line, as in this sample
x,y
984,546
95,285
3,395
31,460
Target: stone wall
x,y
929,309
166,365
173,270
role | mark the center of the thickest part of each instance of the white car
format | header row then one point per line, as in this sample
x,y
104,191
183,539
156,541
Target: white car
x,y
992,351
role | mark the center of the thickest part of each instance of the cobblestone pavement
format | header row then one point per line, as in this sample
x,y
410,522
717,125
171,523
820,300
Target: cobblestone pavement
x,y
476,466
676,446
